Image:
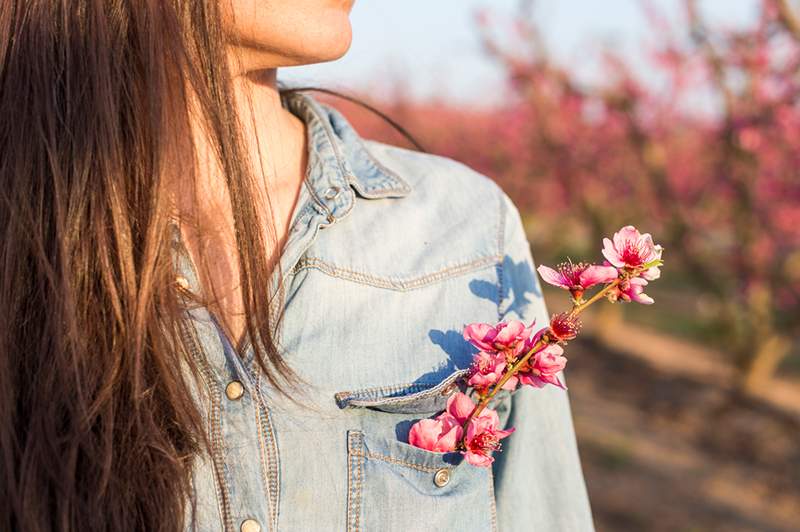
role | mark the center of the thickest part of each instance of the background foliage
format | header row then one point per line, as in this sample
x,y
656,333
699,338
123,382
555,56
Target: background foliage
x,y
707,159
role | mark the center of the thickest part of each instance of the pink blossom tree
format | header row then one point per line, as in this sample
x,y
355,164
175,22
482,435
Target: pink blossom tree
x,y
718,180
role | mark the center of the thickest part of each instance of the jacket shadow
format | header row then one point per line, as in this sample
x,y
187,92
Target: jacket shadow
x,y
517,281
517,284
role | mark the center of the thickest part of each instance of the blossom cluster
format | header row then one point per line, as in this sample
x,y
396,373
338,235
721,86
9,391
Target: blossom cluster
x,y
511,354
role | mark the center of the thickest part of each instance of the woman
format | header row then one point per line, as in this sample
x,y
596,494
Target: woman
x,y
222,309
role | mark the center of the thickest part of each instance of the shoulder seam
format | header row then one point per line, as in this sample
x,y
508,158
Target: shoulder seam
x,y
501,251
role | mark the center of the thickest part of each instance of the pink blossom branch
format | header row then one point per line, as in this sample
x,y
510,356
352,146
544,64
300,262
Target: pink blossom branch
x,y
543,341
577,309
632,259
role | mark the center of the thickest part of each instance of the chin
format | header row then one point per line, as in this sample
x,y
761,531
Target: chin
x,y
287,35
324,43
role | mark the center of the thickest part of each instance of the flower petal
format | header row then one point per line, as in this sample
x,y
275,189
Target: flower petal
x,y
460,406
552,277
481,335
651,274
511,384
596,274
478,459
642,298
625,235
610,253
504,433
509,332
425,434
448,441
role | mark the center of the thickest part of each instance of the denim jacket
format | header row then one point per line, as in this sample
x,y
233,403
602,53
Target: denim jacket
x,y
389,254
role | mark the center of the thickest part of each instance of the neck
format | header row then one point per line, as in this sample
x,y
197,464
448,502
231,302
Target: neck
x,y
275,137
275,144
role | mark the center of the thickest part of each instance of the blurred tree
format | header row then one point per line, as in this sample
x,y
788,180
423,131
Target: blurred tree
x,y
709,161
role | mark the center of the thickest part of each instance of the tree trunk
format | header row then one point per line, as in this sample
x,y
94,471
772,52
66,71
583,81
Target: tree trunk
x,y
761,367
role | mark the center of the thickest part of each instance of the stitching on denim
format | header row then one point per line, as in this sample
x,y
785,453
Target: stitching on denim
x,y
398,183
354,479
326,211
399,285
341,162
270,467
404,185
262,459
359,484
368,397
390,459
217,451
326,127
274,466
384,188
492,500
501,251
382,390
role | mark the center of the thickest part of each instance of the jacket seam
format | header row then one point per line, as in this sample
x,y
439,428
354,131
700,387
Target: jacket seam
x,y
331,139
374,396
269,457
419,467
501,251
355,459
398,285
217,460
344,396
404,187
316,200
262,460
492,500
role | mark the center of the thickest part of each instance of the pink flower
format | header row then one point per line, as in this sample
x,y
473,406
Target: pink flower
x,y
440,434
460,406
535,338
505,337
483,437
483,431
544,367
577,277
564,327
630,290
487,369
631,249
443,433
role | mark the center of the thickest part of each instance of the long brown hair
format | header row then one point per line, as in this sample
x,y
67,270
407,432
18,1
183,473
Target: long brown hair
x,y
97,426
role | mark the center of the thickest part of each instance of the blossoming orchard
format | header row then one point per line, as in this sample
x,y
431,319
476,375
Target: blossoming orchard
x,y
709,156
512,354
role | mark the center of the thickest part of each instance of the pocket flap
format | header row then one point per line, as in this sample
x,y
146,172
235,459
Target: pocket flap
x,y
404,399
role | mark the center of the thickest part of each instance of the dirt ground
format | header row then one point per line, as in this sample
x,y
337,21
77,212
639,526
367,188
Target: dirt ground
x,y
671,451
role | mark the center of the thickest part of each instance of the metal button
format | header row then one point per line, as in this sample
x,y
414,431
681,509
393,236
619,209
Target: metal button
x,y
332,192
449,389
442,477
234,390
250,525
182,282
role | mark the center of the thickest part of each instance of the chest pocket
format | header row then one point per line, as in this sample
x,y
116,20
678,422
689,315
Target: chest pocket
x,y
395,486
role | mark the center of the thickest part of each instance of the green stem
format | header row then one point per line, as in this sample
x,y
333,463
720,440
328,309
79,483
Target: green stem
x,y
577,309
510,373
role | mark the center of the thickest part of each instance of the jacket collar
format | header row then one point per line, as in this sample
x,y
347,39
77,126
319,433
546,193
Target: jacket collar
x,y
338,162
338,144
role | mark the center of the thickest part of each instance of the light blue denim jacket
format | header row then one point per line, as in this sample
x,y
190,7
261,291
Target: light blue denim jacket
x,y
390,253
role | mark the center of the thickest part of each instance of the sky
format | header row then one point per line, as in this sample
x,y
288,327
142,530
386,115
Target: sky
x,y
430,47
